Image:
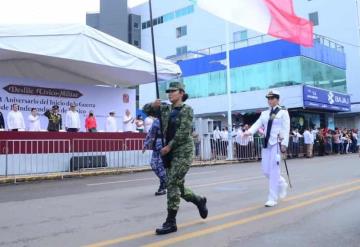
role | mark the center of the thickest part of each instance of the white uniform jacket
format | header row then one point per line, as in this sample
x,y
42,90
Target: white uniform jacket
x,y
280,126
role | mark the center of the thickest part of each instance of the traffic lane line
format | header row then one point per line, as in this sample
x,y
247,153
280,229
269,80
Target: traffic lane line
x,y
144,179
217,217
250,219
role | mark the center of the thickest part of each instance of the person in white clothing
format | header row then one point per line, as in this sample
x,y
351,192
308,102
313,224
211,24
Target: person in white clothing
x,y
128,121
15,119
276,122
309,142
148,123
111,123
34,120
72,120
216,140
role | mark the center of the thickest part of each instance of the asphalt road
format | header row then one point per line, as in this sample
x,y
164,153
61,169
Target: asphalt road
x,y
322,209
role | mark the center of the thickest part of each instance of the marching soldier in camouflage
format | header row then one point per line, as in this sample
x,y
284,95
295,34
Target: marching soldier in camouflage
x,y
178,152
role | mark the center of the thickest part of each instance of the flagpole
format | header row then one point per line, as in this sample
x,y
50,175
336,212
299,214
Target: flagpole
x,y
155,68
153,51
228,86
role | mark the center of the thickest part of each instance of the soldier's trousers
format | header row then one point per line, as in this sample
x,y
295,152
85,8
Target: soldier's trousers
x,y
175,182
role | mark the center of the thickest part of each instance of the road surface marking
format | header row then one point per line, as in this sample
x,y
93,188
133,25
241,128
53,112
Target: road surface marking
x,y
216,217
210,230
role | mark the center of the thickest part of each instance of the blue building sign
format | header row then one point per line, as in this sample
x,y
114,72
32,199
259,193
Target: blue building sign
x,y
324,99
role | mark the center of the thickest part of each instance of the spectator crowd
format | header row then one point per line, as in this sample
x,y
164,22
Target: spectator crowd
x,y
15,121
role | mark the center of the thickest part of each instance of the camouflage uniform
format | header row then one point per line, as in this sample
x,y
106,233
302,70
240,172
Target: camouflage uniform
x,y
156,145
182,147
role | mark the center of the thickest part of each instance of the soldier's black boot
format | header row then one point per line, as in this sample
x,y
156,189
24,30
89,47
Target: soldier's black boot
x,y
201,204
170,224
162,189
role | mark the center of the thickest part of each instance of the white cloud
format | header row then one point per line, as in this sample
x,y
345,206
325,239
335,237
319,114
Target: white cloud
x,y
132,3
46,11
49,11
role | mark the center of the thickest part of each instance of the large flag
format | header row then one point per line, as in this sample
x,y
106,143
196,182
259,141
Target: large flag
x,y
274,17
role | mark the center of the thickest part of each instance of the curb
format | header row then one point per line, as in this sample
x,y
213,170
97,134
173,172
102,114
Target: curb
x,y
103,172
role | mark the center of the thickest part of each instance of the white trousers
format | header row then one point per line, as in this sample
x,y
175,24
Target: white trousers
x,y
271,170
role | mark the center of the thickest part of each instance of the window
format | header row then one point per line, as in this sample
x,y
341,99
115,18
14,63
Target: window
x,y
314,17
136,43
148,24
181,31
184,11
144,25
168,17
136,25
240,36
181,50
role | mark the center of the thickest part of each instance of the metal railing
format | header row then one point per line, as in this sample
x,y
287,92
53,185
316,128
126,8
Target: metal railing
x,y
43,157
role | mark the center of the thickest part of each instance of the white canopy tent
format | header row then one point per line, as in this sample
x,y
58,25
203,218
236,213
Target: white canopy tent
x,y
77,54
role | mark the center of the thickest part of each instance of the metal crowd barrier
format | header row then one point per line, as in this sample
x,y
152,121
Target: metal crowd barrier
x,y
30,157
34,157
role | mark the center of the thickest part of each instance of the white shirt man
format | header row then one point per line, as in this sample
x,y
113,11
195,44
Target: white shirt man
x,y
224,134
148,123
111,123
128,121
276,141
308,137
15,119
296,136
72,120
217,134
34,121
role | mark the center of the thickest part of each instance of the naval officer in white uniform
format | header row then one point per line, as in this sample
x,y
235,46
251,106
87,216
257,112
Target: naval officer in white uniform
x,y
276,122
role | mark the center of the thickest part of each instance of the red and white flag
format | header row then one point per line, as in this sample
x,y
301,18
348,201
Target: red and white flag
x,y
274,17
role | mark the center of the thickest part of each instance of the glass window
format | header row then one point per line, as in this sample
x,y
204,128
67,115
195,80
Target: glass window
x,y
181,31
240,36
278,73
168,17
322,75
184,11
148,24
181,50
314,17
144,25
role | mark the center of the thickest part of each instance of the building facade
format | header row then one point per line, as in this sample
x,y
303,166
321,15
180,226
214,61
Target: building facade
x,y
115,20
183,32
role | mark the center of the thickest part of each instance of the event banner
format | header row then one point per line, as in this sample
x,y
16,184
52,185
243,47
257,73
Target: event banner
x,y
43,95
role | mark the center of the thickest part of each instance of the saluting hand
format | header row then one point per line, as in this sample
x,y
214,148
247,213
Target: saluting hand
x,y
165,150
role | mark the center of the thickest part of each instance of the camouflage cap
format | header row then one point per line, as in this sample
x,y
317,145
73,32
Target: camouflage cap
x,y
175,85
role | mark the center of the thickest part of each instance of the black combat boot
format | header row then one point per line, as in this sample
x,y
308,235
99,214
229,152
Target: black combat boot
x,y
201,204
162,189
170,224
